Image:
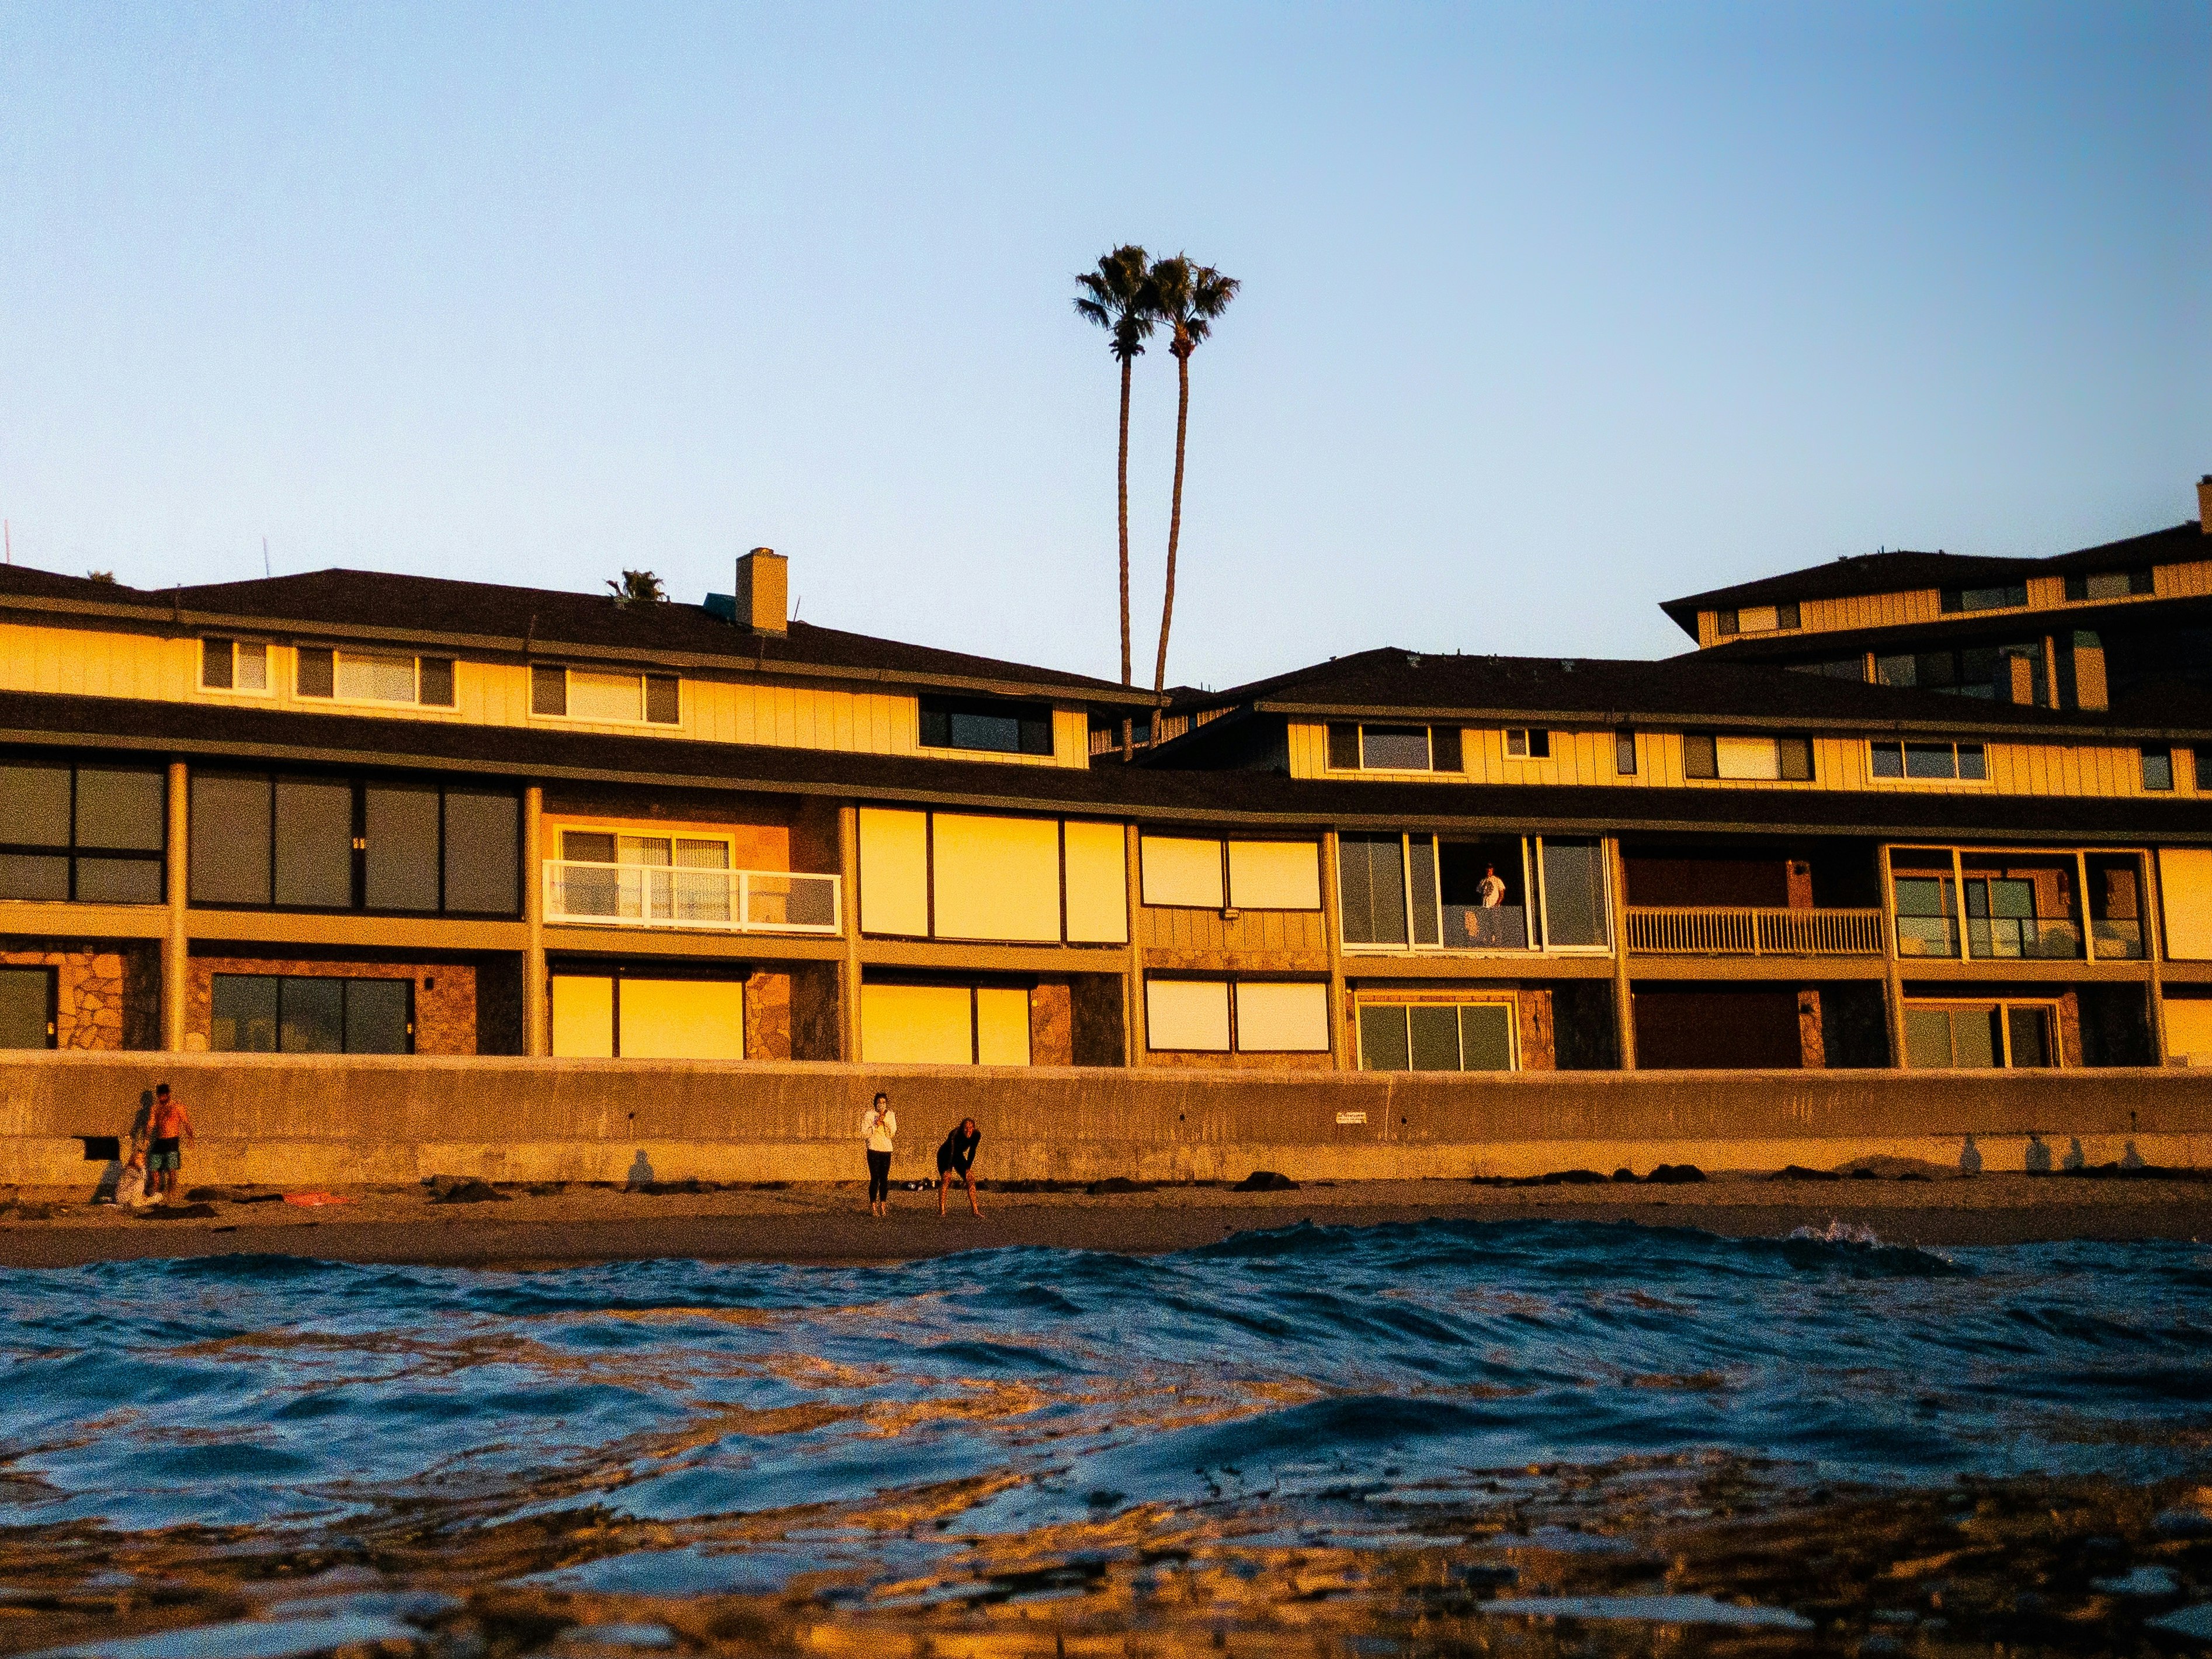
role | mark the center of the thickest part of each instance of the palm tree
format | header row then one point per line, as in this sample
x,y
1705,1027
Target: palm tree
x,y
1118,297
637,587
1189,298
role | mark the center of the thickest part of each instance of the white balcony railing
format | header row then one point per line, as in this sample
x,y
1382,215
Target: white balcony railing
x,y
1717,931
662,896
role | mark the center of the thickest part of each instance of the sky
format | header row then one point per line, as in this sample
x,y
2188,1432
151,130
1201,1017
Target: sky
x,y
1549,312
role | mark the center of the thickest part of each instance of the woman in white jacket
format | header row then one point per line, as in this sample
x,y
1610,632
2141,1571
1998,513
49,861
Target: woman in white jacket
x,y
878,1124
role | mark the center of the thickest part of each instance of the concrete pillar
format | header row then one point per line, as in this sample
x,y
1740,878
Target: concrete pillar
x,y
2154,942
176,949
1342,1036
1623,1000
537,1013
849,967
1892,979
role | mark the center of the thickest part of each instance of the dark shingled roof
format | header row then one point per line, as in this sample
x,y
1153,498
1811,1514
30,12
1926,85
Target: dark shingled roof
x,y
260,737
2114,618
1902,571
1691,689
430,610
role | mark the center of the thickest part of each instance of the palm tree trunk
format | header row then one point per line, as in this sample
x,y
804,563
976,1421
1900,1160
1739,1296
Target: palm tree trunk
x,y
1121,482
1174,519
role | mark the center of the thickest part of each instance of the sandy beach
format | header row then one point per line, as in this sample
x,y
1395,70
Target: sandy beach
x,y
564,1225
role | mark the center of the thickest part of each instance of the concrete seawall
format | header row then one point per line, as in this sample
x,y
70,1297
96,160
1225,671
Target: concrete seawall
x,y
324,1120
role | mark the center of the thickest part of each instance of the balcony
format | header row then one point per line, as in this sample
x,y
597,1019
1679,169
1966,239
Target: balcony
x,y
717,901
2023,938
1748,931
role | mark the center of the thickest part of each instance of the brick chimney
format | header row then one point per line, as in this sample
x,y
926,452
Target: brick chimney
x,y
763,592
2204,503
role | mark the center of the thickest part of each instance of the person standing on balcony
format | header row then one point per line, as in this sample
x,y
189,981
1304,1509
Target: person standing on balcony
x,y
878,1125
1490,889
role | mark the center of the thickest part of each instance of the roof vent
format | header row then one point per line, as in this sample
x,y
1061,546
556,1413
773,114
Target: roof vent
x,y
2204,503
763,592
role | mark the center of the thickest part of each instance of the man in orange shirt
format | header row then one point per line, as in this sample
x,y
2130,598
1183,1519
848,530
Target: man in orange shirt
x,y
169,1126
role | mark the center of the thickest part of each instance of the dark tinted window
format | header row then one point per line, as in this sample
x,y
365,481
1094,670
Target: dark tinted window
x,y
119,809
119,881
1700,757
229,855
549,690
1383,1045
1393,748
1972,764
400,864
661,703
435,685
311,1016
376,1016
34,804
298,1014
315,843
481,854
27,997
2158,768
243,1009
1433,1034
1624,753
1344,748
217,660
1795,759
1371,875
1001,728
35,876
318,675
1444,743
1574,892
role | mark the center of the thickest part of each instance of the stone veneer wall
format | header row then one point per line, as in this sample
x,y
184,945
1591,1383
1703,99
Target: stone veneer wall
x,y
107,994
768,1017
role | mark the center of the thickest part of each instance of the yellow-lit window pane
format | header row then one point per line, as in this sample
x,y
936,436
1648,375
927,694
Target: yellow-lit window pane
x,y
1274,875
917,1025
683,1019
1097,884
1282,1019
594,696
894,871
2184,880
1186,1013
1746,757
997,878
374,676
583,1016
1002,1025
1177,871
2189,1029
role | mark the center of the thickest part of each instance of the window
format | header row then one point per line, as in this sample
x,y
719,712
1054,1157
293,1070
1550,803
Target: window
x,y
1437,1037
647,1015
27,1008
233,664
1705,754
2110,585
2200,768
1929,761
1524,743
1980,1035
986,726
953,875
2004,596
1624,754
1833,668
1927,903
90,834
299,1014
1254,1016
1758,619
945,1024
603,698
1418,892
1191,872
1727,623
1975,671
370,676
2158,768
1395,749
337,844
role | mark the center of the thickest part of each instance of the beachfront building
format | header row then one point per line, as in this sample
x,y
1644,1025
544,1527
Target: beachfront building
x,y
346,812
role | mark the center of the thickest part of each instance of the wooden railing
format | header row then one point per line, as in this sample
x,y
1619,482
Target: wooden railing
x,y
1714,930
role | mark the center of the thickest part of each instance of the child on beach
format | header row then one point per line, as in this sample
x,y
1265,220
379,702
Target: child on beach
x,y
168,1128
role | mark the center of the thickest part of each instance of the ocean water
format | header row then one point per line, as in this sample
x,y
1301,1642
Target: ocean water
x,y
891,1437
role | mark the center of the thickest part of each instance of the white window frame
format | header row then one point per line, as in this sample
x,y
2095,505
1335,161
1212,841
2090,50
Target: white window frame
x,y
1401,1000
1955,782
1428,737
568,697
1537,925
268,686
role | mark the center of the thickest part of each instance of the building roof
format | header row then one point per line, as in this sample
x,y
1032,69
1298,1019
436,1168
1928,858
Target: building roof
x,y
1906,572
2113,619
1692,689
430,611
1226,798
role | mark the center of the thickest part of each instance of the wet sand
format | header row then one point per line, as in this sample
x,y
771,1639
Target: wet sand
x,y
827,1223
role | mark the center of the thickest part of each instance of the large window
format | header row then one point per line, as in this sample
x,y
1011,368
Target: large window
x,y
1204,874
1707,754
1513,893
1395,749
26,1007
1250,1017
92,834
299,1014
1437,1037
617,1014
1757,619
234,666
605,698
1969,672
986,726
942,1024
1980,1035
336,843
960,875
2110,585
387,677
2002,596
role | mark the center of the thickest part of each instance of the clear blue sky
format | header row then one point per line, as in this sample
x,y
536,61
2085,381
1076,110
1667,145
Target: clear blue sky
x,y
1550,311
